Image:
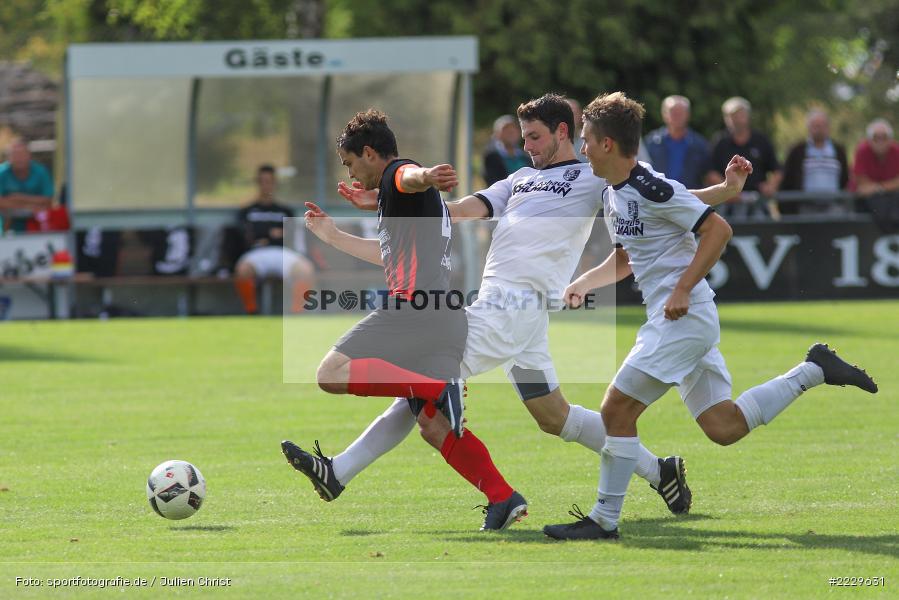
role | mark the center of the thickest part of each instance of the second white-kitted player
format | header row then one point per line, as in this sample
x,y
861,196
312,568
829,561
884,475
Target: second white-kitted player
x,y
655,224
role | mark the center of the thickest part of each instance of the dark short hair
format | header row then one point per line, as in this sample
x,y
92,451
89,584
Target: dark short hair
x,y
368,128
618,117
266,168
550,109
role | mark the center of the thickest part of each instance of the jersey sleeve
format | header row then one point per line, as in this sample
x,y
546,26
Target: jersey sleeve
x,y
392,174
391,197
684,209
496,197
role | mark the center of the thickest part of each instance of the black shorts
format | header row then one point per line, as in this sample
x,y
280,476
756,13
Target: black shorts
x,y
428,342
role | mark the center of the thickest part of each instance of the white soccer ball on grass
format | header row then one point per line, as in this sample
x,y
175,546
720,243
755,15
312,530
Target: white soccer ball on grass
x,y
176,489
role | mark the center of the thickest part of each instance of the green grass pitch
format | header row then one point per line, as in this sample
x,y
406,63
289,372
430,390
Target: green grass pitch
x,y
87,409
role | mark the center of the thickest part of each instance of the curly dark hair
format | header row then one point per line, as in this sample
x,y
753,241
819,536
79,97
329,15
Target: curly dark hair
x,y
618,117
368,128
550,109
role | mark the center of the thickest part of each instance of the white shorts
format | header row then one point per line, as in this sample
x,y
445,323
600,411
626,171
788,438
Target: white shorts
x,y
670,350
508,327
272,261
682,353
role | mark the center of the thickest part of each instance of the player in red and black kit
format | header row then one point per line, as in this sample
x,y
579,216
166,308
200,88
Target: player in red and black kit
x,y
411,346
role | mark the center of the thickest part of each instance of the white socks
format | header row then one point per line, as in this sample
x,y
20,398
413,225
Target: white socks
x,y
583,426
382,436
619,459
762,403
648,466
586,427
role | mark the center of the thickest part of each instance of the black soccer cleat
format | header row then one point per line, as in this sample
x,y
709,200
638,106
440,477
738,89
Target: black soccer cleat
x,y
837,371
500,515
673,486
452,406
584,528
317,468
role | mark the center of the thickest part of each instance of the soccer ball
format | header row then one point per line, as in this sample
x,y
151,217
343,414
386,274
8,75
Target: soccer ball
x,y
176,489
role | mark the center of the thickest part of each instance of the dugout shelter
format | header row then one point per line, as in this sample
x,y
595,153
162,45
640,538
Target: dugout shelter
x,y
163,135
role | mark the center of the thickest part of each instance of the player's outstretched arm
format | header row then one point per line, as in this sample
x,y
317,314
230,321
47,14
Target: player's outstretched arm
x,y
18,200
418,179
714,234
867,186
612,270
358,196
466,209
322,225
738,169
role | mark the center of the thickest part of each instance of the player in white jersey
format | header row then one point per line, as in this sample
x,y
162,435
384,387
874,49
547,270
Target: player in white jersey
x,y
655,222
545,215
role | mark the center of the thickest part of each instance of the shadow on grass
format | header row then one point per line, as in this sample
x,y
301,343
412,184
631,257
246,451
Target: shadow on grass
x,y
531,536
15,354
359,532
203,528
814,332
668,533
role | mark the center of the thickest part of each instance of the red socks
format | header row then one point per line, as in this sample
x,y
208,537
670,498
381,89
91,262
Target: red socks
x,y
376,377
246,289
467,455
471,459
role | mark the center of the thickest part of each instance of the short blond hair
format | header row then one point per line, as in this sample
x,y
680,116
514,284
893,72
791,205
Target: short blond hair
x,y
618,117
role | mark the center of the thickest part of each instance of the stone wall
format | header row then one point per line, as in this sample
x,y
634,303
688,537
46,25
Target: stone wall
x,y
28,102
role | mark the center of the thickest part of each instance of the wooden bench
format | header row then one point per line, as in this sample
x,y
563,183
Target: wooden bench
x,y
55,292
186,300
189,285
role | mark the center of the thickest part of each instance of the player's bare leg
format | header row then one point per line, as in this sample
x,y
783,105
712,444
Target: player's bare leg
x,y
333,374
550,411
723,423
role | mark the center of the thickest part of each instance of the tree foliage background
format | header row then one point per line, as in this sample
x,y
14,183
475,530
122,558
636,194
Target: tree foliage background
x,y
783,55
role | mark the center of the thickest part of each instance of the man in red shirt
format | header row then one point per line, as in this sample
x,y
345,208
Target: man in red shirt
x,y
876,167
